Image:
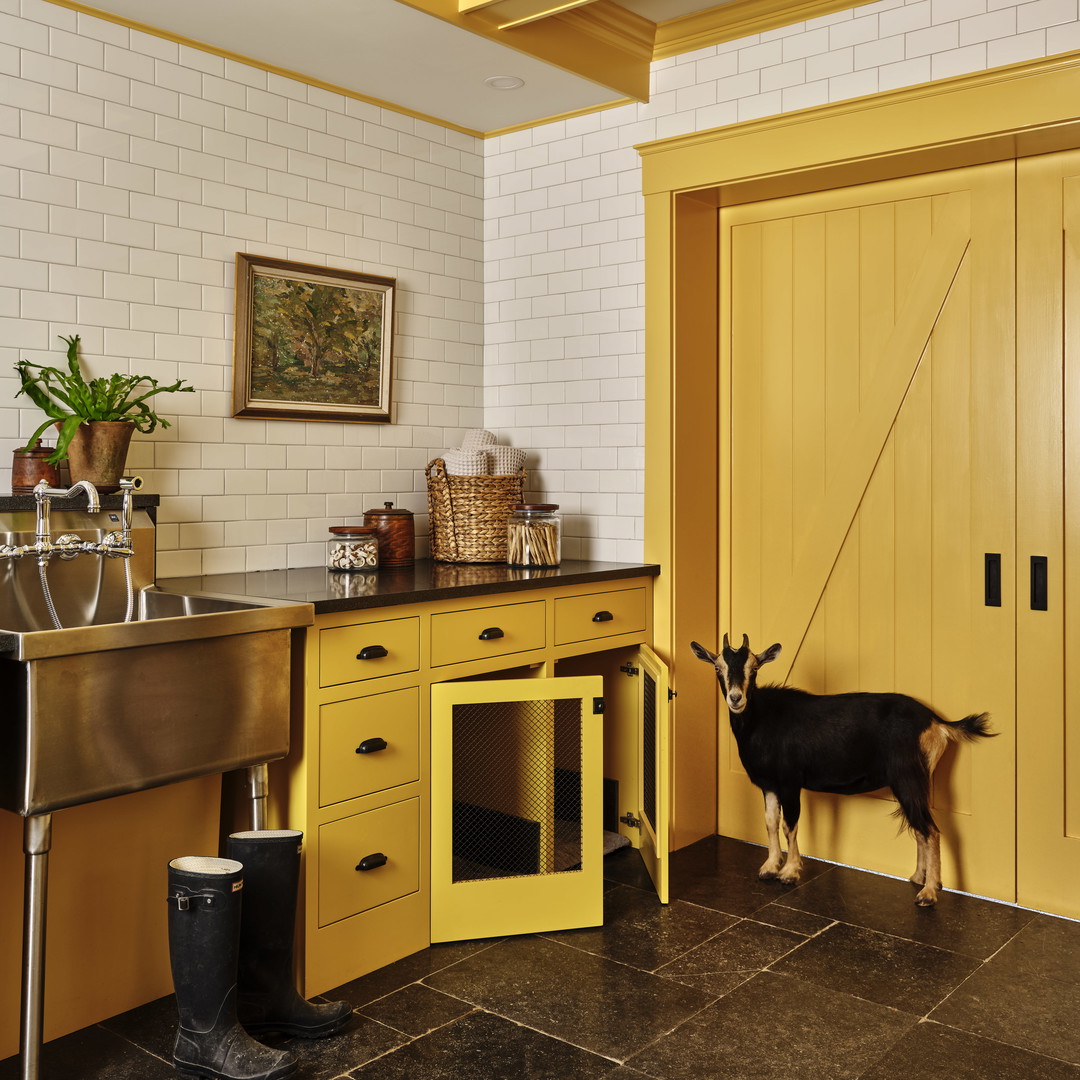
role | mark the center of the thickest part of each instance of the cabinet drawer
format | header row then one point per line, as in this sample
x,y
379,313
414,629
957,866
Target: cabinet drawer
x,y
458,636
352,758
368,650
599,615
392,831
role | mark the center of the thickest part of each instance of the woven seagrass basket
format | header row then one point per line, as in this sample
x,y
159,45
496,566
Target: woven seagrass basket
x,y
468,514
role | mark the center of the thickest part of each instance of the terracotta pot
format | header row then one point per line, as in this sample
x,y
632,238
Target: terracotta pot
x,y
98,453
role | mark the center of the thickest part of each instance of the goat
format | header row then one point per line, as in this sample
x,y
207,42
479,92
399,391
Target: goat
x,y
847,744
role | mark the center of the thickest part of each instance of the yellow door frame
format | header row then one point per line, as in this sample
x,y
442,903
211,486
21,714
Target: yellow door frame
x,y
1005,113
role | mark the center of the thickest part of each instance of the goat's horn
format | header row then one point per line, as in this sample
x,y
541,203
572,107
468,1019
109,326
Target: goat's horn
x,y
745,641
726,645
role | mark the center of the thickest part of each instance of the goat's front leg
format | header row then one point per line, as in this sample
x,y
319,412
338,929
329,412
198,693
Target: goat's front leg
x,y
930,854
771,866
792,806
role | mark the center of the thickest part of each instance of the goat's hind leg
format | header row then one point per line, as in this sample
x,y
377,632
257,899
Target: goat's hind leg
x,y
930,862
770,868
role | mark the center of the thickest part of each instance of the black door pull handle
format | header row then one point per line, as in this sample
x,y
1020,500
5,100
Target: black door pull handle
x,y
371,746
992,579
491,633
603,616
371,652
1038,583
372,861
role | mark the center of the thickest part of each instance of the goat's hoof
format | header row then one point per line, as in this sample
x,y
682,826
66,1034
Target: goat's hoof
x,y
788,879
926,899
767,875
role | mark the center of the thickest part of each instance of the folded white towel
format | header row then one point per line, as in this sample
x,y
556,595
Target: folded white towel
x,y
477,439
467,462
506,460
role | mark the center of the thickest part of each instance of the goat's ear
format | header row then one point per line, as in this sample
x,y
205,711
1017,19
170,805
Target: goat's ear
x,y
771,653
702,653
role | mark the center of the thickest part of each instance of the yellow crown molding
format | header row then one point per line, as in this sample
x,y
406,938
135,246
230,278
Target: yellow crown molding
x,y
518,12
738,19
601,41
1009,112
273,69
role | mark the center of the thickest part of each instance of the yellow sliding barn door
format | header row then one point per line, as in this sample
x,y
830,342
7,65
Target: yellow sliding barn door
x,y
1048,528
868,471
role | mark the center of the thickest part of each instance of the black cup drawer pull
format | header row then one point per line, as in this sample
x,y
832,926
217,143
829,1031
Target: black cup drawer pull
x,y
603,616
372,861
371,652
371,746
491,633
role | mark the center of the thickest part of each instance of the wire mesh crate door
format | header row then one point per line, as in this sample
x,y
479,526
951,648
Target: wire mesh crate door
x,y
516,788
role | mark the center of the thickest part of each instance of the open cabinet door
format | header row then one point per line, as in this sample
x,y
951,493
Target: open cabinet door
x,y
516,806
638,756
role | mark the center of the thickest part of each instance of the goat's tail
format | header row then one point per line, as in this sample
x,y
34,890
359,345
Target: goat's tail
x,y
976,726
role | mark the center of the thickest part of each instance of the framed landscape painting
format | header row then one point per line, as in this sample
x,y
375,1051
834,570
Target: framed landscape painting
x,y
311,343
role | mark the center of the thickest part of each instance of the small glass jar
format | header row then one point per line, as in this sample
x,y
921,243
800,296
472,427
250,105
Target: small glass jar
x,y
352,547
532,535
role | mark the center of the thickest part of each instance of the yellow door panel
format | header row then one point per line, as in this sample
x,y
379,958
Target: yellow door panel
x,y
516,806
1048,526
870,365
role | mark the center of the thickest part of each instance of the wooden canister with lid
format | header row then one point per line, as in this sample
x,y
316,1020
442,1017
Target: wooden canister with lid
x,y
396,533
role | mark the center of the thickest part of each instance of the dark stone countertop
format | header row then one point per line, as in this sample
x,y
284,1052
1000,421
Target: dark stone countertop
x,y
425,581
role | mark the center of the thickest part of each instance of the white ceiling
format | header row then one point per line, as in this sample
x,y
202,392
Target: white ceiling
x,y
388,51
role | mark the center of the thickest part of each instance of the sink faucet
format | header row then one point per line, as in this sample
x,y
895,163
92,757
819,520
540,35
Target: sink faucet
x,y
43,494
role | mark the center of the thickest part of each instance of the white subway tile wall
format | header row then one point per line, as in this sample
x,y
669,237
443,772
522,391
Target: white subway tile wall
x,y
132,169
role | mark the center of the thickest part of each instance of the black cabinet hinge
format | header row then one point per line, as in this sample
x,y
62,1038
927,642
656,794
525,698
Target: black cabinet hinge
x,y
629,669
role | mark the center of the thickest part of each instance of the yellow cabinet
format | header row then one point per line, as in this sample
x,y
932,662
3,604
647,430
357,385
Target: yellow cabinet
x,y
368,744
358,777
368,859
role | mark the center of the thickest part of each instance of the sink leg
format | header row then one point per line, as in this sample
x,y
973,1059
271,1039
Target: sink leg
x,y
37,840
259,784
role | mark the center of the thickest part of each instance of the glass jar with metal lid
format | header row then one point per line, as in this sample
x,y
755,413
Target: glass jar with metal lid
x,y
352,547
533,535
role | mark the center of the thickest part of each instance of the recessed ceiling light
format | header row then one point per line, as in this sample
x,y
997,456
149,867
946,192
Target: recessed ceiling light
x,y
504,82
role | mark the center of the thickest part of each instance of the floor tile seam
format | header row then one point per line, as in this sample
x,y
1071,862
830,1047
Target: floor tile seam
x,y
131,1042
665,1034
999,1042
610,959
901,937
1050,980
407,1034
915,1017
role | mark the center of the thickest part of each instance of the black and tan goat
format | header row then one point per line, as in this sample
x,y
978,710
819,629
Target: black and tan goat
x,y
847,744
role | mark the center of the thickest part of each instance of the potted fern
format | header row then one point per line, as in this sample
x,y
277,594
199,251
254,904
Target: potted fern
x,y
94,420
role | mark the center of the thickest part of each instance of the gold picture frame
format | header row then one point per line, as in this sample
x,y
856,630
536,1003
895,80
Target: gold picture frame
x,y
311,342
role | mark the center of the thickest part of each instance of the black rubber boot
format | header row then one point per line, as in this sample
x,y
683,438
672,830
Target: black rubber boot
x,y
204,936
268,1000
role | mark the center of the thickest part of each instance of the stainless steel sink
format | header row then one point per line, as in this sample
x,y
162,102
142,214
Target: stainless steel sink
x,y
192,685
196,685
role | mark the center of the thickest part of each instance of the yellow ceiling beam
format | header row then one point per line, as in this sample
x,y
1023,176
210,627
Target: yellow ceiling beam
x,y
518,12
598,40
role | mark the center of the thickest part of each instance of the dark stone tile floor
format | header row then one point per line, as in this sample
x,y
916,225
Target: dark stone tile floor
x,y
840,977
